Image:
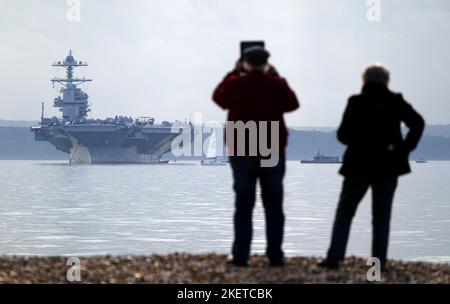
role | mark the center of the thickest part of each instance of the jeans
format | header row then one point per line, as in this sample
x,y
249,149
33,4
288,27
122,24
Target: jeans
x,y
353,191
246,172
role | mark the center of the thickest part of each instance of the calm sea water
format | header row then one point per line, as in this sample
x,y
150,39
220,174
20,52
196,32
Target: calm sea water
x,y
51,208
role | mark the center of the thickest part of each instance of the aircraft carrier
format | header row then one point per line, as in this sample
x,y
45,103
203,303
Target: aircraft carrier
x,y
115,140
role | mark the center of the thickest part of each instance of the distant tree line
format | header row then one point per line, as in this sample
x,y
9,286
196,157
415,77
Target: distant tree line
x,y
18,143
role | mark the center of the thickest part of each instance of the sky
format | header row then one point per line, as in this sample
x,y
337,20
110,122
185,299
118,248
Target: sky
x,y
163,58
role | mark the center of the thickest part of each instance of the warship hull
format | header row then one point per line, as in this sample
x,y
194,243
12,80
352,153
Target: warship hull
x,y
108,144
321,162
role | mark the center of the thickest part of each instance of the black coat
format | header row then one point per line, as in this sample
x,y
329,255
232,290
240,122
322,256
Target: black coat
x,y
371,129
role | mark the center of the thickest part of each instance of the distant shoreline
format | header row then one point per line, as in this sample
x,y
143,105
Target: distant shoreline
x,y
180,161
210,268
18,143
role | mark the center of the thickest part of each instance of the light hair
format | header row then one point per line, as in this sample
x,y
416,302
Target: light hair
x,y
376,73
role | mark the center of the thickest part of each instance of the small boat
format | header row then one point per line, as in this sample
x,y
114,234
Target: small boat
x,y
421,161
320,158
214,162
211,154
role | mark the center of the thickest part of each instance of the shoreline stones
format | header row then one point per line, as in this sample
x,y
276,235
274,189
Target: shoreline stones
x,y
181,268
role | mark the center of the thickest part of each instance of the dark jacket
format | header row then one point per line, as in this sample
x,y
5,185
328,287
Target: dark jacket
x,y
257,97
371,129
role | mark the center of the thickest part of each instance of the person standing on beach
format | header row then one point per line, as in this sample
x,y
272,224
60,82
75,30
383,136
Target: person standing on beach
x,y
254,92
376,155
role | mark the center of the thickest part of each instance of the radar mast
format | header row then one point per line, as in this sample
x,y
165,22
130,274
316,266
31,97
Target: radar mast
x,y
74,102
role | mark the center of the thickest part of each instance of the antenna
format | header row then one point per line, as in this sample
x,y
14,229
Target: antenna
x,y
42,113
69,64
73,102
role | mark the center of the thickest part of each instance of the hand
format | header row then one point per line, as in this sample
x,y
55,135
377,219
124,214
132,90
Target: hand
x,y
238,67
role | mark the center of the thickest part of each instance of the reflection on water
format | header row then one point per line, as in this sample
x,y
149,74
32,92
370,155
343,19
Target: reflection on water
x,y
51,208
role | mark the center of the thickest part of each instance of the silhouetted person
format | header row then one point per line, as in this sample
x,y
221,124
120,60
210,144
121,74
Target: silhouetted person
x,y
376,155
254,91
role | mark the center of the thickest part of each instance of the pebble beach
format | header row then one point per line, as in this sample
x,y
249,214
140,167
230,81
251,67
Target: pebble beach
x,y
210,268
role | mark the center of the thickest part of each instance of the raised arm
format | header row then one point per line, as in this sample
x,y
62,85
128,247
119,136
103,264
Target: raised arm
x,y
221,95
290,100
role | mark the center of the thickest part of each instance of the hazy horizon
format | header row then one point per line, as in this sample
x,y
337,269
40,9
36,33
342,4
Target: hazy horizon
x,y
164,58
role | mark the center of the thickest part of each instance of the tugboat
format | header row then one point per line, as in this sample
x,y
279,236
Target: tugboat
x,y
421,161
320,158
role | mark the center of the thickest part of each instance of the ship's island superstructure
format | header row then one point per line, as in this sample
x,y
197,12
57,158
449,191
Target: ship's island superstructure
x,y
100,141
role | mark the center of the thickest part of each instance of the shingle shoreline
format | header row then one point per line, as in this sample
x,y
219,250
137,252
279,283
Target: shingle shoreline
x,y
209,268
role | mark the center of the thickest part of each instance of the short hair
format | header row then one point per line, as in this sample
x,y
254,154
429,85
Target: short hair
x,y
376,73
